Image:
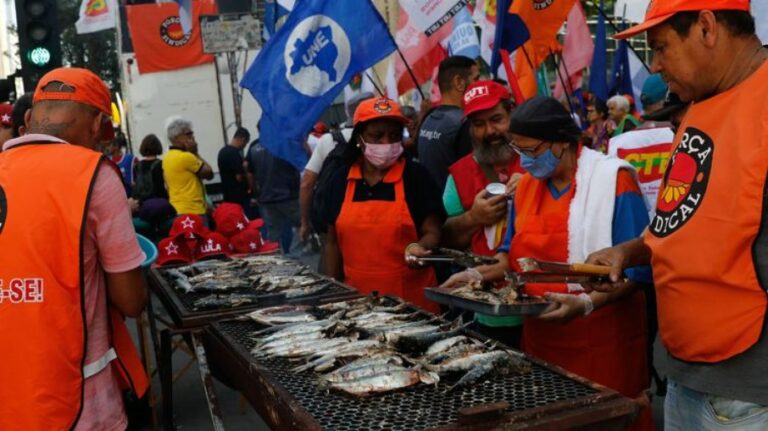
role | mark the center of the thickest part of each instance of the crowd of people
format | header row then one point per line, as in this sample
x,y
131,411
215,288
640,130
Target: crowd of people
x,y
671,198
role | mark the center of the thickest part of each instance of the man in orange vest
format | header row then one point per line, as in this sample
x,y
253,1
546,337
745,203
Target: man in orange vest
x,y
707,242
70,266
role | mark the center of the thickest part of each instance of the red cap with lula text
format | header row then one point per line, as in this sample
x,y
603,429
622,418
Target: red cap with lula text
x,y
482,95
212,245
661,10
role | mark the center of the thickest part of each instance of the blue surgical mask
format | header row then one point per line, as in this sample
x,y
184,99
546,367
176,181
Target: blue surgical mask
x,y
541,167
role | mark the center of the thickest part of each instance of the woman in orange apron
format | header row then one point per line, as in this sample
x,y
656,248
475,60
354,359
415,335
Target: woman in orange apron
x,y
573,201
383,208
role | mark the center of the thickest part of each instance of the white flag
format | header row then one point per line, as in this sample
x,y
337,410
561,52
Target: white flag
x,y
96,15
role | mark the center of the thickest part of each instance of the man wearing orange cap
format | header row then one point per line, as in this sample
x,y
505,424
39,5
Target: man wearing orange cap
x,y
71,266
707,242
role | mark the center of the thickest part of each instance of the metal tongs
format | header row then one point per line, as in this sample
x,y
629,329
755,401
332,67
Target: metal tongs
x,y
539,271
458,257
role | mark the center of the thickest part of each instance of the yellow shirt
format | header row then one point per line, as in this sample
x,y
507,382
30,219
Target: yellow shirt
x,y
185,190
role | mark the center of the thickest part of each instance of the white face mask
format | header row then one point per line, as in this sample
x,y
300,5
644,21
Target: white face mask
x,y
383,155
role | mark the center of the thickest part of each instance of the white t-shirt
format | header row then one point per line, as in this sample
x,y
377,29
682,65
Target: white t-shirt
x,y
324,147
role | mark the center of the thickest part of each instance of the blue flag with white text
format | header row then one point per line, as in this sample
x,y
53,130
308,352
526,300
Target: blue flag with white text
x,y
307,63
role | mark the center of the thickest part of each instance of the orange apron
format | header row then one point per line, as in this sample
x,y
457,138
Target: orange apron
x,y
372,237
608,346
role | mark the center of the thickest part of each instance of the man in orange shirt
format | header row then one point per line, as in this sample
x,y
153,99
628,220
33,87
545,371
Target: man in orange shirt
x,y
707,242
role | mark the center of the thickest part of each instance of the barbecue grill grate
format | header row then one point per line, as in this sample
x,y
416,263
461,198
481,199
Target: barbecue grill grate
x,y
416,408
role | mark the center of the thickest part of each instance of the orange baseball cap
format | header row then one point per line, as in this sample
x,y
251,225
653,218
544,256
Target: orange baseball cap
x,y
378,107
661,10
84,87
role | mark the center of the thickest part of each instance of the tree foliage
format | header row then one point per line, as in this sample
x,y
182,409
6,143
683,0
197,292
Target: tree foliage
x,y
94,51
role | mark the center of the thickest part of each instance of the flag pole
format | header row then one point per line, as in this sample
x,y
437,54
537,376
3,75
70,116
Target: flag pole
x,y
511,77
562,81
410,71
618,30
378,90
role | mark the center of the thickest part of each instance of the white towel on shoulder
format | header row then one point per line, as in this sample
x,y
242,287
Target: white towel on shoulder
x,y
590,223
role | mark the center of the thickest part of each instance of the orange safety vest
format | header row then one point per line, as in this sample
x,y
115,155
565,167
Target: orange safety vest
x,y
601,347
44,195
711,302
372,237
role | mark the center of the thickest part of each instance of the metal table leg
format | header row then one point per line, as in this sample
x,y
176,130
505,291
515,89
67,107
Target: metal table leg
x,y
165,370
205,375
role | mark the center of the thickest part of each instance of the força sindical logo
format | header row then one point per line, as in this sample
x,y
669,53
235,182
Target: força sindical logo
x,y
172,33
685,182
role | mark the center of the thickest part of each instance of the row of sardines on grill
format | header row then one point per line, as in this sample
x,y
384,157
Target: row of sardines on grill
x,y
375,345
242,281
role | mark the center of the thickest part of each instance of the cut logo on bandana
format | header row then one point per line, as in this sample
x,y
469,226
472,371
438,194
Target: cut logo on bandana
x,y
685,183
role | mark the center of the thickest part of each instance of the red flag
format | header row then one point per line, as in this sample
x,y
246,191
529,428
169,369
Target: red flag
x,y
577,51
158,39
422,52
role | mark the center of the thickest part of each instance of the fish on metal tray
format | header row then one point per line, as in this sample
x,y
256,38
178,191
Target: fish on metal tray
x,y
282,314
420,341
384,382
498,364
231,300
306,291
308,347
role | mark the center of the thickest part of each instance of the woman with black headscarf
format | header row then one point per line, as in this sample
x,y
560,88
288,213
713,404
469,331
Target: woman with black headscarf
x,y
574,201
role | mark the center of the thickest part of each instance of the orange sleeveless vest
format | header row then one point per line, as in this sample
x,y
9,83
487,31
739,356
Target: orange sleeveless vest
x,y
711,303
44,194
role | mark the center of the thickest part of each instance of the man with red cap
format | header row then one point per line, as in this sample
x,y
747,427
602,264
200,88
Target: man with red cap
x,y
476,219
71,266
707,242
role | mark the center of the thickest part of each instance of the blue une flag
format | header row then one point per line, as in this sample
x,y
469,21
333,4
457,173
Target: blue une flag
x,y
305,65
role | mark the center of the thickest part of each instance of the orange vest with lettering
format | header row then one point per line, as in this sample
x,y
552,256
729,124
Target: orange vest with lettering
x,y
44,196
711,302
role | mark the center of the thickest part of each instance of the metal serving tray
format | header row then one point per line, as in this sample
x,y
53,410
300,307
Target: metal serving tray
x,y
523,308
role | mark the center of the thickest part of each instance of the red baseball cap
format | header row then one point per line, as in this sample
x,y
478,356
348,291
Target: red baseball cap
x,y
256,224
378,107
5,115
212,245
247,241
191,225
661,10
230,219
482,95
173,249
81,86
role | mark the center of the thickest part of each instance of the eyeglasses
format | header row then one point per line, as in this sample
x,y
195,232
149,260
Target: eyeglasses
x,y
530,152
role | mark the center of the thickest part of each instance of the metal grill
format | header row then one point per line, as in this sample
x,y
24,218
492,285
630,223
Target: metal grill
x,y
180,305
416,408
188,299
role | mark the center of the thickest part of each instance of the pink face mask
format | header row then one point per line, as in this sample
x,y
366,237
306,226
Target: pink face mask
x,y
383,155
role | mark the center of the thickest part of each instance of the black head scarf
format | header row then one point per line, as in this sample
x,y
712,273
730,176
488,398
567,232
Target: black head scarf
x,y
546,119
